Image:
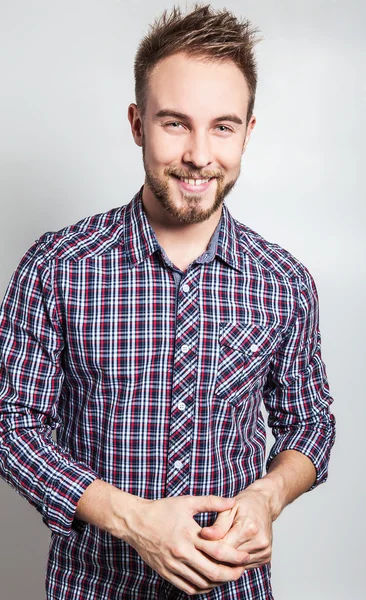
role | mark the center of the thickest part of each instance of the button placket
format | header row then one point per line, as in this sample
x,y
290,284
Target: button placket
x,y
183,385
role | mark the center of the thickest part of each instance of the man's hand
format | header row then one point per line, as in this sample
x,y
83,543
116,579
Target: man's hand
x,y
166,536
247,527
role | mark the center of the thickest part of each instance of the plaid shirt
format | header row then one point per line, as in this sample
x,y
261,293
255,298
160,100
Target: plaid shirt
x,y
153,379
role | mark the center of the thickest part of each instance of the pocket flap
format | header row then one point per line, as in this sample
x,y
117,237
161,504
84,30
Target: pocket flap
x,y
248,338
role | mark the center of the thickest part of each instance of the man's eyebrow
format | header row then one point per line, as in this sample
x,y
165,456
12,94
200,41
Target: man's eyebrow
x,y
167,112
231,117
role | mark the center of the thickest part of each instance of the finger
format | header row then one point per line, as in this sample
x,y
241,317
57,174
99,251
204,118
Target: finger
x,y
222,552
260,544
210,503
187,586
257,560
191,573
191,577
220,528
242,532
213,571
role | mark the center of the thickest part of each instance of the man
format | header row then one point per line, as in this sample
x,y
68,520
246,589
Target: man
x,y
149,335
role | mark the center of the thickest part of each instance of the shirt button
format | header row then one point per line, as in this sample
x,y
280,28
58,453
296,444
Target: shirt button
x,y
185,348
178,464
185,287
181,406
253,348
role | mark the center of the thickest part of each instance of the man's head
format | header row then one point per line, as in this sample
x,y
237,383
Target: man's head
x,y
195,82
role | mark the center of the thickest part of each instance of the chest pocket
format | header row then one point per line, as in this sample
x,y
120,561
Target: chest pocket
x,y
245,353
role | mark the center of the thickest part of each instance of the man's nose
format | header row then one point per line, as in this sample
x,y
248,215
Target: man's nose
x,y
198,150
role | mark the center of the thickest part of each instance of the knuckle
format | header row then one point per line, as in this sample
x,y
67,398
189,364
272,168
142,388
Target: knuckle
x,y
219,555
268,555
176,552
263,543
251,528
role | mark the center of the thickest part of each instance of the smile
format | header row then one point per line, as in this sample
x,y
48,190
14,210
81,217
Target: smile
x,y
194,181
193,185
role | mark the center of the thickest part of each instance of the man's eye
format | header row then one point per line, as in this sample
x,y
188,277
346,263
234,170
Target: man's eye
x,y
223,128
174,125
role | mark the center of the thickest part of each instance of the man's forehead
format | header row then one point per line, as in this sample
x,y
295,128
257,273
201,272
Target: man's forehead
x,y
194,87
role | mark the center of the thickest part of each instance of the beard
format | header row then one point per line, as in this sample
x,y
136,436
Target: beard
x,y
191,211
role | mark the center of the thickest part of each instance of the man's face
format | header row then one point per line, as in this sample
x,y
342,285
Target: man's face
x,y
193,135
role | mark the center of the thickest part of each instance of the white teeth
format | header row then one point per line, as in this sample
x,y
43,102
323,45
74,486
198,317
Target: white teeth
x,y
195,181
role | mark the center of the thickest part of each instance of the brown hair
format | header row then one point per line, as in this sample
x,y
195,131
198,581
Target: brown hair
x,y
203,33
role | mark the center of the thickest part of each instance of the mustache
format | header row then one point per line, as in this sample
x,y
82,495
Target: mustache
x,y
193,174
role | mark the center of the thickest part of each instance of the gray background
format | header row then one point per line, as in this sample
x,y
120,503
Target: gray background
x,y
66,152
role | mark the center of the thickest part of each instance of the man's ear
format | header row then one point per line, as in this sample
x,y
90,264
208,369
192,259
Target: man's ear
x,y
249,130
135,120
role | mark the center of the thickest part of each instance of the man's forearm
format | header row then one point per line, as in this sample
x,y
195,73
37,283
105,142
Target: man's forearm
x,y
291,473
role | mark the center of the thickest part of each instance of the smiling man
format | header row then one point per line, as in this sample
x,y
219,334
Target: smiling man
x,y
148,336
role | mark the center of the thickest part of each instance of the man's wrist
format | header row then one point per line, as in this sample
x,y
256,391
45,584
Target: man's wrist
x,y
107,507
290,474
124,507
271,486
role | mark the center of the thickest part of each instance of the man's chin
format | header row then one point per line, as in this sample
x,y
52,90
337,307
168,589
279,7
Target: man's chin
x,y
195,209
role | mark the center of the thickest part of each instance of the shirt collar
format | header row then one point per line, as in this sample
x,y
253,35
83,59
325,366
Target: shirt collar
x,y
140,240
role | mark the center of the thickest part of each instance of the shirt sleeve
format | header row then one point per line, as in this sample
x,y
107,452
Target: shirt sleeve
x,y
31,377
297,395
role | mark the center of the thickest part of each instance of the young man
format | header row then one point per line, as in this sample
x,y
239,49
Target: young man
x,y
149,335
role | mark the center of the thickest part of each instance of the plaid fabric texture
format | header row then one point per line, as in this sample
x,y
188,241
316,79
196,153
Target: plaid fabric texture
x,y
154,388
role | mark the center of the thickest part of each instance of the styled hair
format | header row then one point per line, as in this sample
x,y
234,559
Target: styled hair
x,y
205,33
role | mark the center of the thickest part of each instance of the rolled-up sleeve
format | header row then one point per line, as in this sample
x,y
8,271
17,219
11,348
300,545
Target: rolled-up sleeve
x,y
31,377
297,395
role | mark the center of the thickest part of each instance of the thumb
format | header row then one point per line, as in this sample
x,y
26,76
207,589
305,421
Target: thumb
x,y
211,504
220,527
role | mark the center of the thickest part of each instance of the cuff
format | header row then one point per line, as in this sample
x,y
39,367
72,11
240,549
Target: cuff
x,y
315,441
62,497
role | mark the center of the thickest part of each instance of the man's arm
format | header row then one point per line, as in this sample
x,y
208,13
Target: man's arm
x,y
297,399
31,377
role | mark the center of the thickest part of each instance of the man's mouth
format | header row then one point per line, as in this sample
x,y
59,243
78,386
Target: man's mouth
x,y
194,185
194,181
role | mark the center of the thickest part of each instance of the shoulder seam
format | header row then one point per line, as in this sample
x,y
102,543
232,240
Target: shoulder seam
x,y
48,244
295,265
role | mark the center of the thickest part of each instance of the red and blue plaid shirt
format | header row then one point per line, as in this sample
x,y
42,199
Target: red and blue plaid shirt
x,y
153,379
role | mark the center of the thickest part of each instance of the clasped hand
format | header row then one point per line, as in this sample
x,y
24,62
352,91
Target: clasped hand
x,y
247,527
196,559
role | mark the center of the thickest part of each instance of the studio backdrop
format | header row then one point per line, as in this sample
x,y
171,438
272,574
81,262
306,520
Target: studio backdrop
x,y
66,152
